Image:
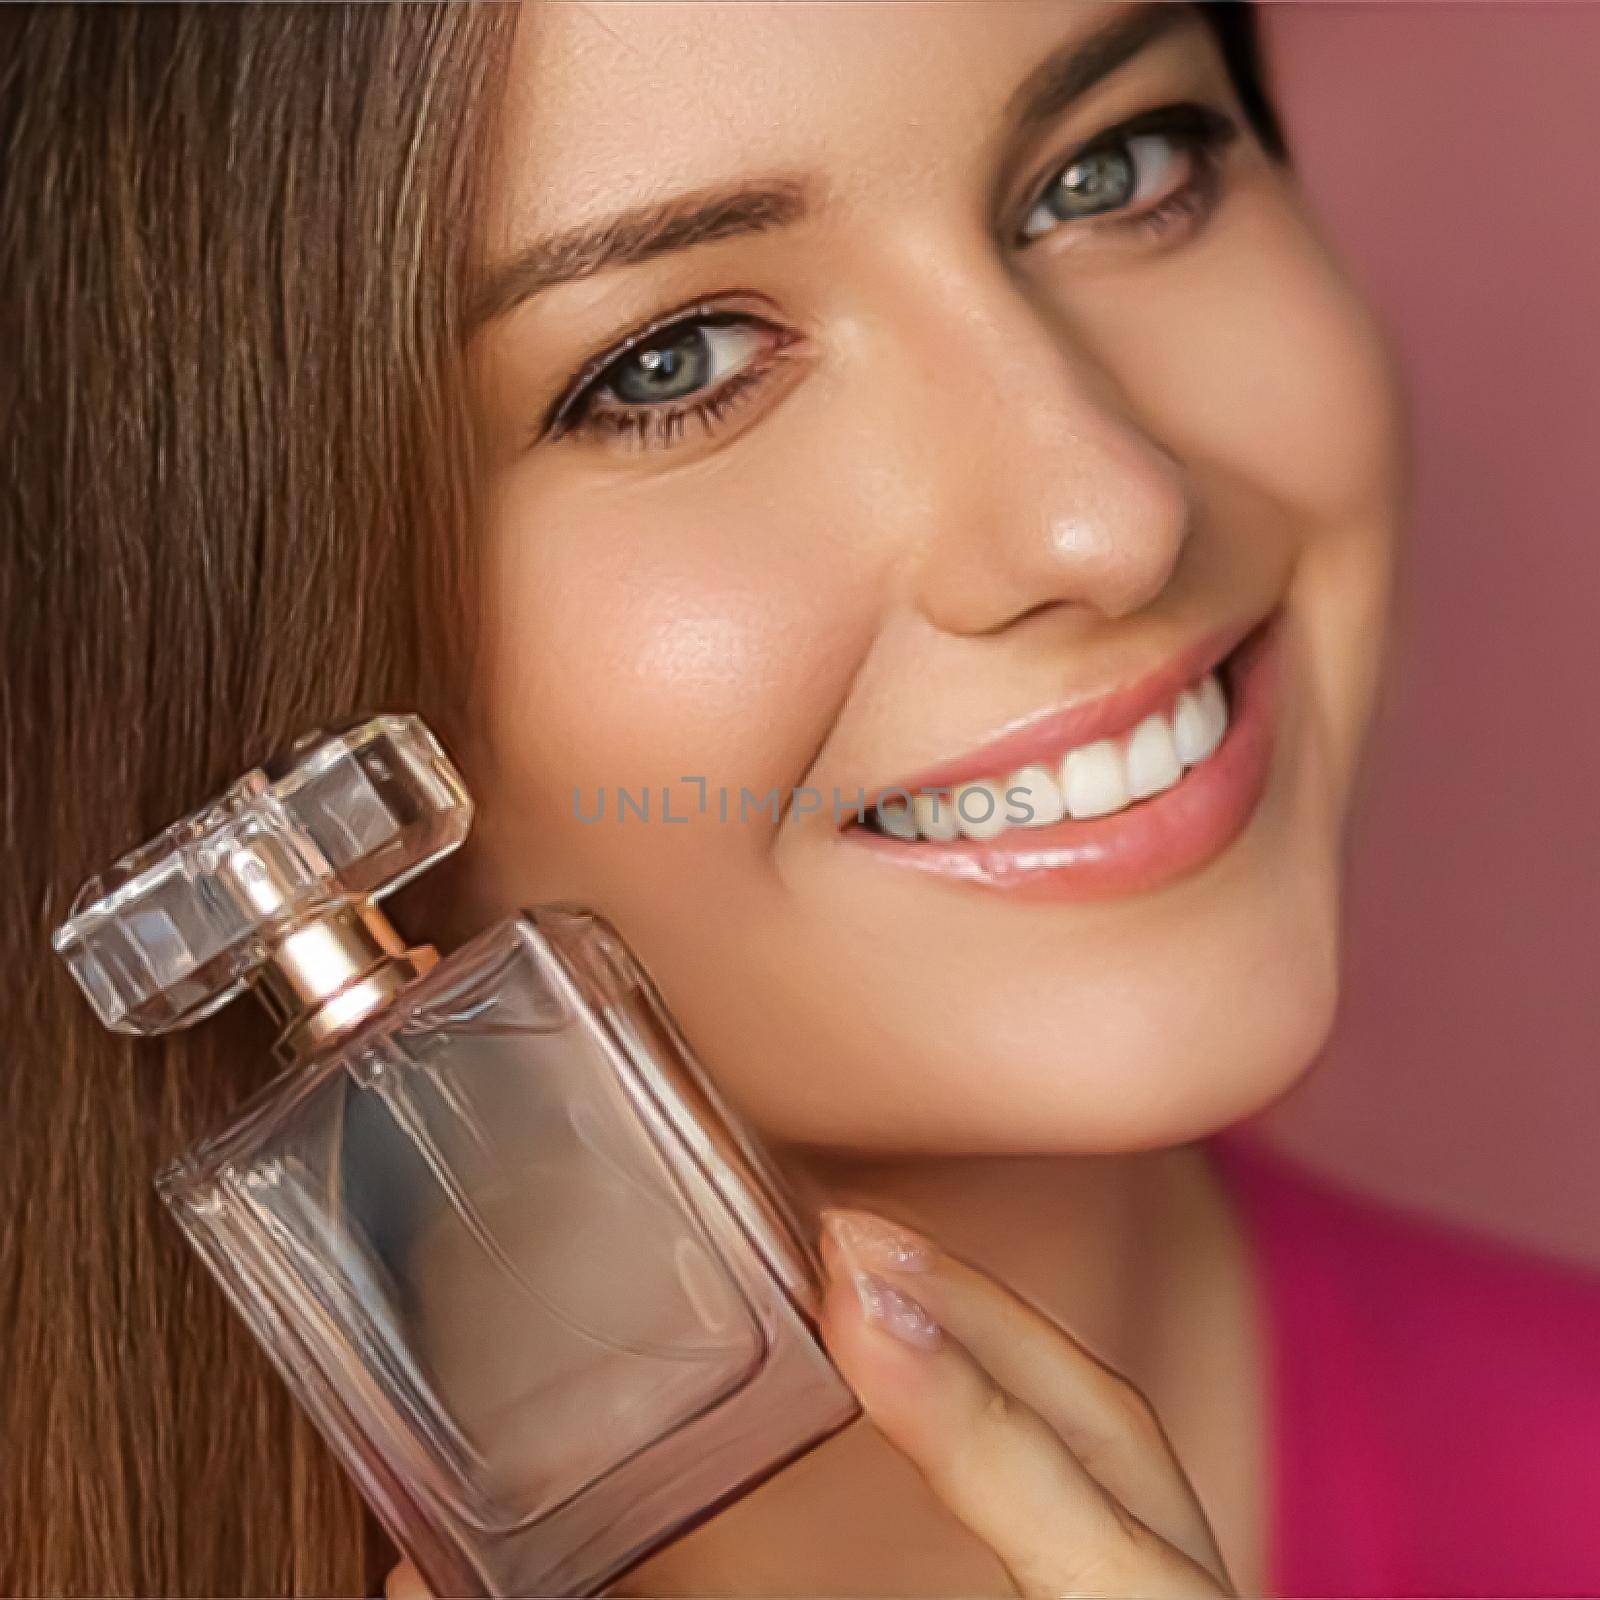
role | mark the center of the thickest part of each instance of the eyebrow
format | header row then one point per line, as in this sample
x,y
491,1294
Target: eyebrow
x,y
639,233
728,211
1070,72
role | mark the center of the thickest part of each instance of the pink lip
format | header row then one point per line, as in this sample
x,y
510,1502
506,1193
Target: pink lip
x,y
1046,737
1151,842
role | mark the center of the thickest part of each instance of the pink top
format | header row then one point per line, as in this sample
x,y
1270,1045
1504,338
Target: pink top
x,y
1435,1405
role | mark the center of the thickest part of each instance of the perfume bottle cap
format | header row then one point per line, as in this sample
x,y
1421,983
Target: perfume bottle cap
x,y
179,926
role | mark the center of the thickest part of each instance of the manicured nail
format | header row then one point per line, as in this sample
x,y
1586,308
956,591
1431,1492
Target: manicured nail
x,y
896,1312
873,1242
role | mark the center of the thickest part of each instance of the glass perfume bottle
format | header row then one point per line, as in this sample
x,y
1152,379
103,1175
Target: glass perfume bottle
x,y
548,1301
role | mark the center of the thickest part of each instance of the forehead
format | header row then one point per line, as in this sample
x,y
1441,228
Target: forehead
x,y
628,100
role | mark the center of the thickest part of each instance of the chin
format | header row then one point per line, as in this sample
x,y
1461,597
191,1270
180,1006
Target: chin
x,y
1204,1017
1217,1064
1162,1070
1175,1057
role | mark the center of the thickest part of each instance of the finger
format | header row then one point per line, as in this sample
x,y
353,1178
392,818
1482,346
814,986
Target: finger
x,y
1101,1417
990,1457
405,1583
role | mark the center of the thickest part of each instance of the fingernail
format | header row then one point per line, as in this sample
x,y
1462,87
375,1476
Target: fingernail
x,y
873,1242
896,1312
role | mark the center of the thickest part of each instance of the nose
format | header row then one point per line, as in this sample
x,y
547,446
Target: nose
x,y
1047,493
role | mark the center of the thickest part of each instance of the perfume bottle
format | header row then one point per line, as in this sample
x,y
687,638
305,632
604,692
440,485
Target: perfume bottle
x,y
547,1300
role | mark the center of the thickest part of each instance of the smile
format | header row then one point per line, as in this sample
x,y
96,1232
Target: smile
x,y
1110,796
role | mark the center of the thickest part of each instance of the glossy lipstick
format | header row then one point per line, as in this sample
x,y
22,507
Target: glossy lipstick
x,y
1153,840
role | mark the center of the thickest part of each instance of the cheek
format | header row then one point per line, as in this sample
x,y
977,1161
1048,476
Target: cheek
x,y
1259,366
1315,420
1255,357
638,648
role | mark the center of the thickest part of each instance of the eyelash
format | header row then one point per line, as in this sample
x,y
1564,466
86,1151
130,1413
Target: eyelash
x,y
1198,132
661,425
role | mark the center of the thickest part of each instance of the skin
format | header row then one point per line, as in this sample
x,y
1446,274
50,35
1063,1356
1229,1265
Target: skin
x,y
983,478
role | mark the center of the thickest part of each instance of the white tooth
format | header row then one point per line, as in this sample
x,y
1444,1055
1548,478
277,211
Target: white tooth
x,y
1094,780
1214,706
936,816
1035,796
1189,728
1153,763
894,817
981,808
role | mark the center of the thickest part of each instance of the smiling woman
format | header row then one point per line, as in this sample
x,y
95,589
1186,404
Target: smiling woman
x,y
943,418
874,439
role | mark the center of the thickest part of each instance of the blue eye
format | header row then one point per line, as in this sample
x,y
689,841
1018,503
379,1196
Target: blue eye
x,y
1108,179
693,368
679,362
1133,172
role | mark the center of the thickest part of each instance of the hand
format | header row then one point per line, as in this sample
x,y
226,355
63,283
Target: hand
x,y
1049,1456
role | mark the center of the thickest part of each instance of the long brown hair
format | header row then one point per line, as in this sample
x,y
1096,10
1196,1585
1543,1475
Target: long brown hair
x,y
233,247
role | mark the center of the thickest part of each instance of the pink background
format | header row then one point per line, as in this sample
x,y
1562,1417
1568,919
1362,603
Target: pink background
x,y
1453,151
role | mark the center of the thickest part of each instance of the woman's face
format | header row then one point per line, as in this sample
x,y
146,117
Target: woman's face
x,y
892,398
